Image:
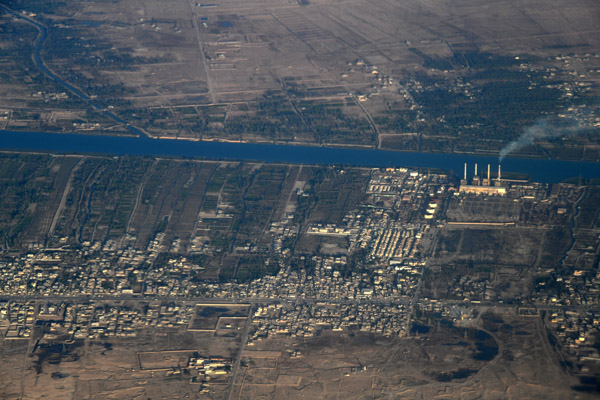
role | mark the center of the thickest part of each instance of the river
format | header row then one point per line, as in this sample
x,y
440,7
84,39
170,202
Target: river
x,y
39,62
540,170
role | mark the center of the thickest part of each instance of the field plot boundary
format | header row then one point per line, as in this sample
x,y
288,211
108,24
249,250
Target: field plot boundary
x,y
213,328
141,354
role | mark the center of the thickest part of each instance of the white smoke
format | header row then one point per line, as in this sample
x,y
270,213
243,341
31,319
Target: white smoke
x,y
547,128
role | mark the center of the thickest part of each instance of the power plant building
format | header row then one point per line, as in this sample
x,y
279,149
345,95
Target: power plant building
x,y
480,185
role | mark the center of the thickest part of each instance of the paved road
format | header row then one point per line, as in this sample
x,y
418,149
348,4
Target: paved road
x,y
238,359
262,300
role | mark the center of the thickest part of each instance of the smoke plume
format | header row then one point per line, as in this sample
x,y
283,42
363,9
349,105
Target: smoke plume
x,y
545,128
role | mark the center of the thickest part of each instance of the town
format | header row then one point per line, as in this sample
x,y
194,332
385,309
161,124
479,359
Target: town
x,y
412,246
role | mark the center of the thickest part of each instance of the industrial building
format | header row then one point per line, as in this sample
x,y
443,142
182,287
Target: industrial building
x,y
483,185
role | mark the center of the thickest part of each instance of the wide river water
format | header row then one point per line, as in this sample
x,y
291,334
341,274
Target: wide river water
x,y
540,170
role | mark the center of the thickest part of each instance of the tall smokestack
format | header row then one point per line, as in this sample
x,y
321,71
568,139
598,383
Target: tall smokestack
x,y
499,173
475,169
489,177
465,171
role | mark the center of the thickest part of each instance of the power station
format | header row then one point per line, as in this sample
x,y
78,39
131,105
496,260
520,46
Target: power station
x,y
483,184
